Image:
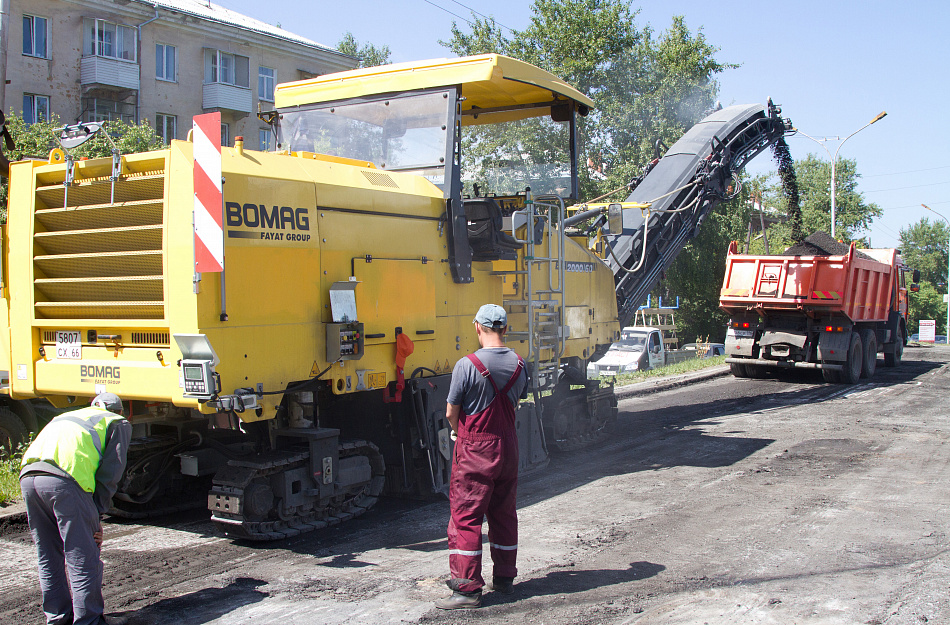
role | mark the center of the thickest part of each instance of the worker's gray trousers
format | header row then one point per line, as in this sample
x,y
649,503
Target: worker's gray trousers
x,y
63,519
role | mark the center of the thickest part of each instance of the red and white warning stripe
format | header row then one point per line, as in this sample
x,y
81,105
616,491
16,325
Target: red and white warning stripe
x,y
209,234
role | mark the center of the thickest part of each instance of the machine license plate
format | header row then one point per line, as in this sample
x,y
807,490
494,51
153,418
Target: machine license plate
x,y
376,380
743,334
68,345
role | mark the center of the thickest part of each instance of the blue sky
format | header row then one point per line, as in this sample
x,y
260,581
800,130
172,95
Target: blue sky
x,y
831,65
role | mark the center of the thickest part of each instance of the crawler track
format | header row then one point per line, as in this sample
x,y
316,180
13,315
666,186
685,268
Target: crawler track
x,y
236,481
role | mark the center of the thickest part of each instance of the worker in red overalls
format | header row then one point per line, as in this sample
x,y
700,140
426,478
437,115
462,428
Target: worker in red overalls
x,y
484,392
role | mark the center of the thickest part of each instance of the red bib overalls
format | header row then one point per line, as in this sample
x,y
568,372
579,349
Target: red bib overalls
x,y
484,485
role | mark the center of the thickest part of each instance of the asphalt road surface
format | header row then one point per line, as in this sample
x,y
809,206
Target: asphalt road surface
x,y
728,501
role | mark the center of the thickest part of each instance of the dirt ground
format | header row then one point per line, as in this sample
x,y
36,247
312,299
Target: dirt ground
x,y
727,501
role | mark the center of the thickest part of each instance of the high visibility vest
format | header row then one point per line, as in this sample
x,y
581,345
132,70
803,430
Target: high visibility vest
x,y
73,442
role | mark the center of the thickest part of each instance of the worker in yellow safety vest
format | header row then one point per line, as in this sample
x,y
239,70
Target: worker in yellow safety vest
x,y
68,477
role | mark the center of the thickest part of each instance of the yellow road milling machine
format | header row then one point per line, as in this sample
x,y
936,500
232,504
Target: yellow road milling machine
x,y
309,377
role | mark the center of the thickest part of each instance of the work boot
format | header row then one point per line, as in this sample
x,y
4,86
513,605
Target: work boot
x,y
114,619
504,585
460,600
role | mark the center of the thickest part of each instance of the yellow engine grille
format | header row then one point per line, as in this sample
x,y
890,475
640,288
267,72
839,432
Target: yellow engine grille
x,y
100,255
157,339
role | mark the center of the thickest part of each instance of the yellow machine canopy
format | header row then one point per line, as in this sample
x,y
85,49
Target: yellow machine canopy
x,y
488,81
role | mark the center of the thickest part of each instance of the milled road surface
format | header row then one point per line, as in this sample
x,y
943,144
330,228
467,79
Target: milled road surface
x,y
728,501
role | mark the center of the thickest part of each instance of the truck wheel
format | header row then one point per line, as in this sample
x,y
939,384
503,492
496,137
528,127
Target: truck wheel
x,y
831,376
12,432
23,409
852,367
893,358
738,370
869,364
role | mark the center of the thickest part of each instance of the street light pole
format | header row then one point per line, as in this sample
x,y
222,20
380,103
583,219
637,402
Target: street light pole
x,y
834,164
948,267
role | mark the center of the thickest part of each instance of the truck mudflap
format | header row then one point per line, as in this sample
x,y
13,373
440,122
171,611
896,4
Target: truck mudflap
x,y
833,346
740,345
779,337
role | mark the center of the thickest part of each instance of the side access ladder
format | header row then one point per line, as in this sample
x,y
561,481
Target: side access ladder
x,y
542,289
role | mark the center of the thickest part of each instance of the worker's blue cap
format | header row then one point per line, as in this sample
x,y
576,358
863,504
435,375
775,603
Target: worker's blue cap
x,y
492,316
108,401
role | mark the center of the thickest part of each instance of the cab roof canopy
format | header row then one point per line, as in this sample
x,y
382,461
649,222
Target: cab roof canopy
x,y
508,88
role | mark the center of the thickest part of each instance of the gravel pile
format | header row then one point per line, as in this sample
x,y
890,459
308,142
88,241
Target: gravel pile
x,y
821,244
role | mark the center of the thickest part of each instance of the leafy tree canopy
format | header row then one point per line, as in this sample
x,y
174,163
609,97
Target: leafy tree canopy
x,y
927,304
646,88
36,141
924,247
367,54
853,214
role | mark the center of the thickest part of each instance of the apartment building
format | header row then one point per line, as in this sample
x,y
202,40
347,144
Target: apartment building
x,y
160,61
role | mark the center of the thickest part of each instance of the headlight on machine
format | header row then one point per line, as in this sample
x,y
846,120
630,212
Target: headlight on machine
x,y
630,367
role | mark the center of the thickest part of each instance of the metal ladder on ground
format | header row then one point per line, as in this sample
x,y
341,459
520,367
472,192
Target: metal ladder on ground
x,y
662,317
543,303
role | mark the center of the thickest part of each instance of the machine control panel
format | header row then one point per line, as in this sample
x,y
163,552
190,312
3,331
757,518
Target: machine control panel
x,y
199,378
344,341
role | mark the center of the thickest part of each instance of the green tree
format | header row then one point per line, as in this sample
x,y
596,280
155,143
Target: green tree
x,y
924,247
853,214
36,140
646,88
927,304
696,275
367,54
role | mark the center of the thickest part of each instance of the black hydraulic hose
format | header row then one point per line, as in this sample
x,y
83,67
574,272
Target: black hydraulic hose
x,y
582,216
420,369
145,495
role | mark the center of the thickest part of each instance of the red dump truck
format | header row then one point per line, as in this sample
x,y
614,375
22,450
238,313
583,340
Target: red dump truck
x,y
829,311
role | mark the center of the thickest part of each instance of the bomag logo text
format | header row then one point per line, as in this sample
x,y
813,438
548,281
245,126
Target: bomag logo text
x,y
275,221
100,375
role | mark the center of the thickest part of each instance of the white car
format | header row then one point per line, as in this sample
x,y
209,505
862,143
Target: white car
x,y
624,356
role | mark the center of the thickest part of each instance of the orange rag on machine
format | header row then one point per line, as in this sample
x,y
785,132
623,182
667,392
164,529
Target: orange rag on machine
x,y
404,347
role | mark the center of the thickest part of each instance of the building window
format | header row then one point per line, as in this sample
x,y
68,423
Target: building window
x,y
165,62
265,84
229,69
166,127
102,38
103,110
266,139
34,36
225,135
35,108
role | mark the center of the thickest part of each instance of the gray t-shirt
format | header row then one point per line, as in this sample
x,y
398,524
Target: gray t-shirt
x,y
473,392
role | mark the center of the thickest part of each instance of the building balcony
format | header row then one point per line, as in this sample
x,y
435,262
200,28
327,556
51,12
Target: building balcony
x,y
226,97
100,70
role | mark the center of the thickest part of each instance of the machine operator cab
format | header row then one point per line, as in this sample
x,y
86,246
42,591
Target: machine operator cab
x,y
483,129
